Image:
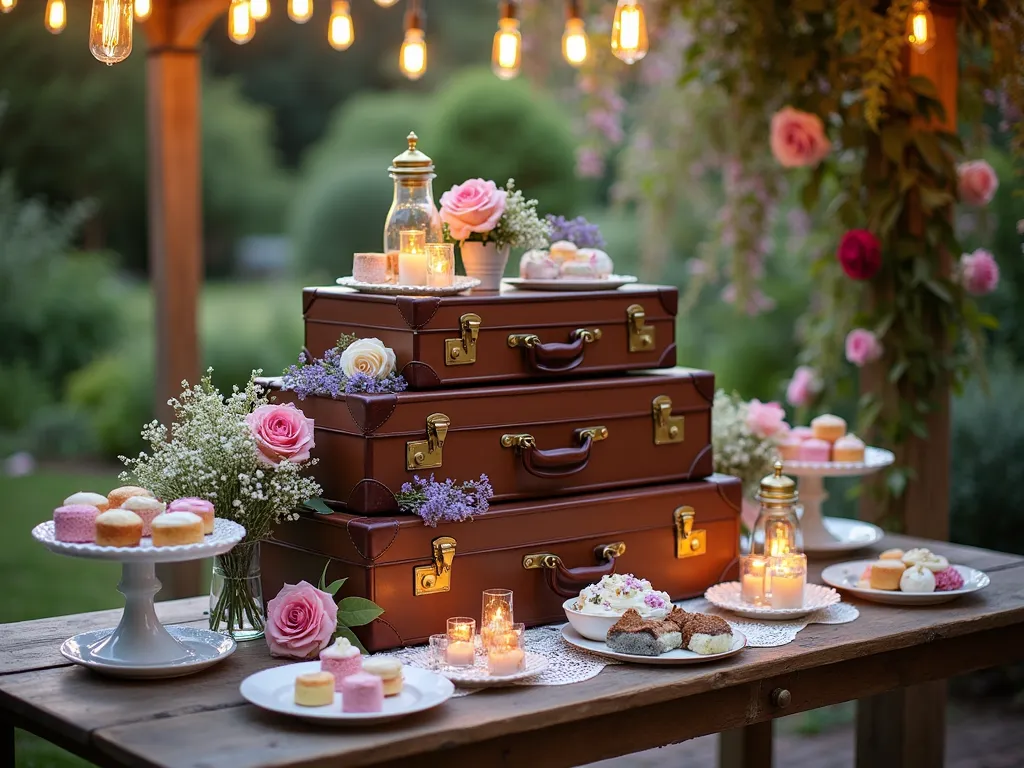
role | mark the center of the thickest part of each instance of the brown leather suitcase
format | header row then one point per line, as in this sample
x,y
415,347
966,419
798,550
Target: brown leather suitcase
x,y
531,440
502,337
682,537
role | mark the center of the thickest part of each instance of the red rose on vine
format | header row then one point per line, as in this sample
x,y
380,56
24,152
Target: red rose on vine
x,y
860,254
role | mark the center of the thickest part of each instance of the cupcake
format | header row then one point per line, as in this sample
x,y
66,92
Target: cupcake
x,y
891,554
75,523
917,579
848,448
563,250
145,507
789,448
804,433
201,507
828,427
97,500
600,262
815,450
120,495
172,529
341,660
118,528
886,574
537,265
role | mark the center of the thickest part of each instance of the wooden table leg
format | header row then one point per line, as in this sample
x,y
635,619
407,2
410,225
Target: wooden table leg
x,y
6,741
905,728
747,747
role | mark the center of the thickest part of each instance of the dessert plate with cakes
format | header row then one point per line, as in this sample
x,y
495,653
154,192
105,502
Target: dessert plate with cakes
x,y
460,284
564,267
915,577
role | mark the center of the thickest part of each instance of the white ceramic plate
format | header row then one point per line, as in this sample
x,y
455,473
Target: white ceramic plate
x,y
727,596
677,657
477,677
225,535
460,283
846,575
202,648
874,460
847,536
594,626
609,283
274,690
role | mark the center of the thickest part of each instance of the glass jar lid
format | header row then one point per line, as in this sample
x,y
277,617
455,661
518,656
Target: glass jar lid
x,y
412,162
777,489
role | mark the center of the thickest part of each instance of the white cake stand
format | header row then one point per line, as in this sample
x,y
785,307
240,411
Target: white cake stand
x,y
834,535
140,646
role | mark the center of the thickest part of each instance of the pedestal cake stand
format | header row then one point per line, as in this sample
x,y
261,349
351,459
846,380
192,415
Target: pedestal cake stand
x,y
834,535
140,646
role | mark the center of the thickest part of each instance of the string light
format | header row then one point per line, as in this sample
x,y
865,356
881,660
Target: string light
x,y
385,3
507,51
241,26
629,31
412,59
143,9
6,6
575,45
110,30
340,32
921,27
300,11
56,16
259,10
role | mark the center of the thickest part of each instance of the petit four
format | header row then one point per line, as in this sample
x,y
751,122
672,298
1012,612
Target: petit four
x,y
803,433
599,261
917,578
370,267
789,448
118,528
828,427
341,660
948,580
362,692
848,448
119,495
706,634
537,265
388,670
927,558
815,450
617,592
145,507
97,500
891,554
314,689
562,250
886,574
635,635
75,523
176,528
201,507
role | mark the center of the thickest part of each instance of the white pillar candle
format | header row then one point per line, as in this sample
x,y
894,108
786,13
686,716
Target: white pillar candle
x,y
412,257
505,662
752,578
788,575
460,653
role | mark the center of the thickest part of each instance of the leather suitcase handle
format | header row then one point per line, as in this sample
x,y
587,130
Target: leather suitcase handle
x,y
567,582
554,357
555,462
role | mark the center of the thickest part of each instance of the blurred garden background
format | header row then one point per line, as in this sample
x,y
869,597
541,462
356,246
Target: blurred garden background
x,y
297,138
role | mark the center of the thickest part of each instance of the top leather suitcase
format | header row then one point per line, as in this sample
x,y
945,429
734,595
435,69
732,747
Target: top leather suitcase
x,y
502,337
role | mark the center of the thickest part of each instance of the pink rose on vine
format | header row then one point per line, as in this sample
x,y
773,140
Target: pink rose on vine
x,y
766,419
802,388
798,138
862,347
979,272
859,254
976,182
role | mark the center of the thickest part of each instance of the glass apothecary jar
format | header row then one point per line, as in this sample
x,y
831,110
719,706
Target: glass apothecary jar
x,y
777,530
413,205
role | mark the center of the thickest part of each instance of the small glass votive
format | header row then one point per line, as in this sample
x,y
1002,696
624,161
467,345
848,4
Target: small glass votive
x,y
787,577
461,648
370,267
752,577
440,264
496,613
412,257
506,653
437,651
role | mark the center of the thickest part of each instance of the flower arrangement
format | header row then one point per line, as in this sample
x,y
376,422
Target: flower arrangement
x,y
478,210
243,454
449,501
352,366
745,437
578,231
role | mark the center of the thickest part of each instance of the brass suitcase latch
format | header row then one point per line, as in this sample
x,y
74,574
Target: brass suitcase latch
x,y
667,428
689,543
426,454
436,577
641,335
462,351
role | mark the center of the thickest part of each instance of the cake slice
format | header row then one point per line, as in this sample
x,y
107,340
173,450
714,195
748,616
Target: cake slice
x,y
706,634
643,637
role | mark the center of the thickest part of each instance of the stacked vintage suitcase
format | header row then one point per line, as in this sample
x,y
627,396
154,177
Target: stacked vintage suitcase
x,y
598,450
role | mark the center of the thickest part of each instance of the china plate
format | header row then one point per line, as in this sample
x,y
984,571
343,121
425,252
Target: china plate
x,y
845,576
727,596
609,283
199,648
847,536
477,677
225,535
677,657
460,284
874,460
274,690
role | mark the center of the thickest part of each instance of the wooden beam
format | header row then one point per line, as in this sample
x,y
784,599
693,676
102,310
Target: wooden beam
x,y
747,747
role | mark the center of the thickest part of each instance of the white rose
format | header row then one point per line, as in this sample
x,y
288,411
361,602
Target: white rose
x,y
368,356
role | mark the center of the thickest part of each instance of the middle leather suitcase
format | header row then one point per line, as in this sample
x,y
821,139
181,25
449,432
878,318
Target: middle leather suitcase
x,y
531,440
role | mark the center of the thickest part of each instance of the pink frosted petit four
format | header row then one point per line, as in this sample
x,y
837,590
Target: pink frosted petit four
x,y
815,450
341,660
362,692
199,507
145,507
75,523
789,448
803,433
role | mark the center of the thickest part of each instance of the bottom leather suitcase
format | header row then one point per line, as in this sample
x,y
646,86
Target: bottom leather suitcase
x,y
682,537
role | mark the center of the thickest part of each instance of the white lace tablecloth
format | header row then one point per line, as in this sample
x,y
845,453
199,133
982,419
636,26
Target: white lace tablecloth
x,y
568,664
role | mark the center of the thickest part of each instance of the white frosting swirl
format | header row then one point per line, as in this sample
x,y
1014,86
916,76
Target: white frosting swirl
x,y
617,593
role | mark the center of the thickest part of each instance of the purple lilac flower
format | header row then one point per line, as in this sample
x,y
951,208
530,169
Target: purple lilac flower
x,y
449,501
578,231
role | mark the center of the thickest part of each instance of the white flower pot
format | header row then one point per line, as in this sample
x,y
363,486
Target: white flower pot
x,y
486,262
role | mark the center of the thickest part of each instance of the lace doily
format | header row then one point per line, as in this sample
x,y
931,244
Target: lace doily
x,y
769,634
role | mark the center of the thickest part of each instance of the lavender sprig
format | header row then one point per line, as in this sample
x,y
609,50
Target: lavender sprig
x,y
448,501
324,377
578,231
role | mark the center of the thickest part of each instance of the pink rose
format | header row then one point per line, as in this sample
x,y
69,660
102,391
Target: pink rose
x,y
282,433
862,347
976,182
473,206
301,621
798,138
979,272
803,386
766,419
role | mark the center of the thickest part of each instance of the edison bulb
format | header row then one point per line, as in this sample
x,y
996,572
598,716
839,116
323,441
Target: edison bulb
x,y
6,6
340,32
575,45
629,31
921,27
143,9
385,3
507,52
241,26
412,59
299,11
259,10
56,16
110,30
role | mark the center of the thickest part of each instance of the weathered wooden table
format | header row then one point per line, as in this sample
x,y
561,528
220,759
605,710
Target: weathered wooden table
x,y
202,721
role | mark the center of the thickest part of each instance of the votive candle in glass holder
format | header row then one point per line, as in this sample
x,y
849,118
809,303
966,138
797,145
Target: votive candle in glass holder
x,y
506,654
437,651
440,264
461,650
752,578
787,577
496,613
412,257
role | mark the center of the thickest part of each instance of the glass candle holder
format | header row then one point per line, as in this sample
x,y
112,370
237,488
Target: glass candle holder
x,y
412,257
506,654
753,569
786,579
440,264
461,648
496,613
437,651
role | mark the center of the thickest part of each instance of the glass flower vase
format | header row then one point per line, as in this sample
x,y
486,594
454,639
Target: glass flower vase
x,y
236,593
